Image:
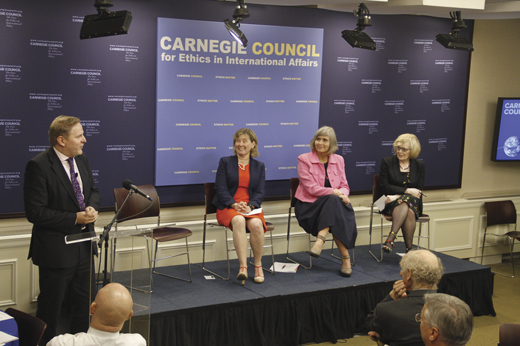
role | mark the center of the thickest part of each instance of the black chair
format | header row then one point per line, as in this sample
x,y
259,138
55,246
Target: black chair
x,y
501,213
294,186
509,334
30,328
137,207
294,183
209,189
377,192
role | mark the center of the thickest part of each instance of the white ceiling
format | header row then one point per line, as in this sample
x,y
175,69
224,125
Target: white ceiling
x,y
471,9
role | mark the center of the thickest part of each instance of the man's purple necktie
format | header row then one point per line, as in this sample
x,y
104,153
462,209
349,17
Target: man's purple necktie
x,y
75,184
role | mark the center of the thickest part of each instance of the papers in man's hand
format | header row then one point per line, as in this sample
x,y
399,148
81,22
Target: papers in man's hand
x,y
5,338
280,267
253,212
380,203
5,316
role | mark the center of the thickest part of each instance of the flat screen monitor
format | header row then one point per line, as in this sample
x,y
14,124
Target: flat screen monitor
x,y
506,140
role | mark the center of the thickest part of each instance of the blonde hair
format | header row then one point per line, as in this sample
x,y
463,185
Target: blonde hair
x,y
329,132
61,126
252,138
415,146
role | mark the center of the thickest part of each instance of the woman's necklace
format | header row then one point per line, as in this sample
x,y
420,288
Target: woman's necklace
x,y
242,166
404,168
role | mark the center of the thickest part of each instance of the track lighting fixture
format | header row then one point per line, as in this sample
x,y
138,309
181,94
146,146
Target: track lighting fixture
x,y
357,38
452,40
105,23
233,26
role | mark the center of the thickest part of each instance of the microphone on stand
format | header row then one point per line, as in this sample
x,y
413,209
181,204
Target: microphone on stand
x,y
127,184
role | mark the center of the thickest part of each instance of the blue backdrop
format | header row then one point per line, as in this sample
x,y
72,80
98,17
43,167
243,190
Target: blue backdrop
x,y
409,84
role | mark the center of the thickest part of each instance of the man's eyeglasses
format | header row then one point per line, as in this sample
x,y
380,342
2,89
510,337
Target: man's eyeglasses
x,y
404,150
418,317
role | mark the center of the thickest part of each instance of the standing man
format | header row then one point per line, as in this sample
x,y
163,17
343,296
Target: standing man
x,y
60,199
445,321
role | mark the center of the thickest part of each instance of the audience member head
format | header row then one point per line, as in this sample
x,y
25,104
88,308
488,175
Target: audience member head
x,y
421,269
329,132
61,126
411,140
111,308
445,320
252,137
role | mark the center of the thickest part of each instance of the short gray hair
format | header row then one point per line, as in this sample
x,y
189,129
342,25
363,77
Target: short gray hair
x,y
329,132
426,268
451,316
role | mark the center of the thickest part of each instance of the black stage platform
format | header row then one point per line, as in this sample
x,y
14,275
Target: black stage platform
x,y
313,305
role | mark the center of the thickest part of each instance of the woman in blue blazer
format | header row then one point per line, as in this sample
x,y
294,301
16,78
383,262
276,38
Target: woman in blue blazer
x,y
240,189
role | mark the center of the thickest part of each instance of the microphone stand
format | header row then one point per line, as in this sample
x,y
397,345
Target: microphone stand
x,y
105,237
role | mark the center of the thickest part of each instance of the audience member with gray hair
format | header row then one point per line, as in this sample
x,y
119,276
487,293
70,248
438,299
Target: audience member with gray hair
x,y
445,321
393,320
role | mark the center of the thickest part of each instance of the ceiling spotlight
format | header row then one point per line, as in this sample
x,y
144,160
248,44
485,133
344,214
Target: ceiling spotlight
x,y
452,40
233,26
105,23
357,38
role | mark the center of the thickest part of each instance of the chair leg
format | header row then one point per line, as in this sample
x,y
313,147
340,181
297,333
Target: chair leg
x,y
150,265
204,254
370,233
483,246
511,246
187,253
429,234
510,252
419,237
288,237
272,254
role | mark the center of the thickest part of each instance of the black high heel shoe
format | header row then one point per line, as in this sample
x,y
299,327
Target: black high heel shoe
x,y
389,245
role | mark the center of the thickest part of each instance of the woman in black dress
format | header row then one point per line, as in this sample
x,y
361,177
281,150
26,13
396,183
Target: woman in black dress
x,y
402,180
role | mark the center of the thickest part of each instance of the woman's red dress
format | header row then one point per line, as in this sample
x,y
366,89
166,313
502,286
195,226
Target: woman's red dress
x,y
242,195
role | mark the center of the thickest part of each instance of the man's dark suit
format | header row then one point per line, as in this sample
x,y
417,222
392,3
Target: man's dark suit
x,y
394,320
226,182
51,206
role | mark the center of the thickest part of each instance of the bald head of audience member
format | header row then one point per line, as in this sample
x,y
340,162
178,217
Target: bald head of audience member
x,y
445,321
111,308
421,269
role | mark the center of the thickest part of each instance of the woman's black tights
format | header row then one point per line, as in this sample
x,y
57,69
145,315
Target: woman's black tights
x,y
404,218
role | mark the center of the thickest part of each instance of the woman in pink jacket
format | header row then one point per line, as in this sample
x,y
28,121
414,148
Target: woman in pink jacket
x,y
322,204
